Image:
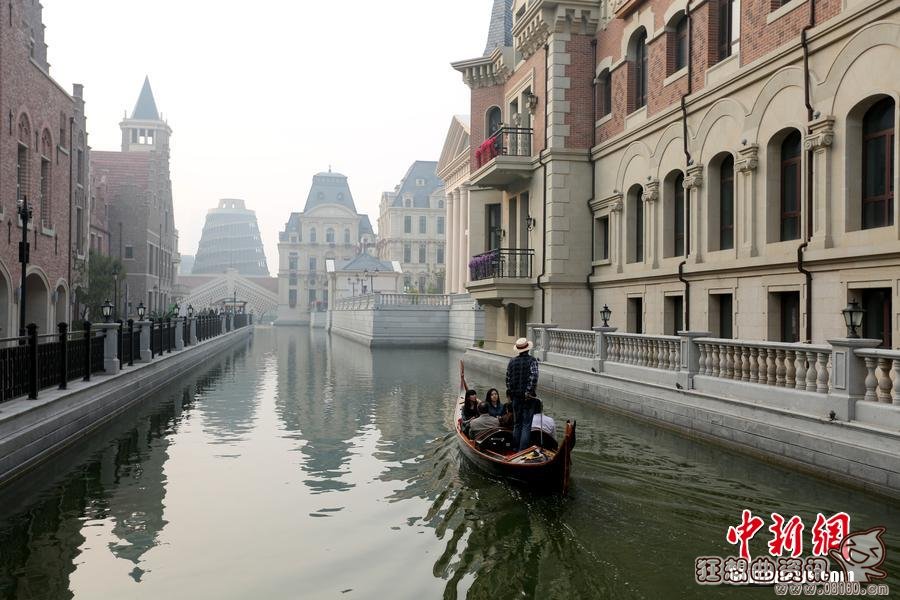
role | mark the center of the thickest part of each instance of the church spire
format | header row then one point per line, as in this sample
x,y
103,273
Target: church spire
x,y
500,30
145,109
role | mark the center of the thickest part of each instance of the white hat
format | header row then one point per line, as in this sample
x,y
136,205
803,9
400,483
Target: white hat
x,y
523,345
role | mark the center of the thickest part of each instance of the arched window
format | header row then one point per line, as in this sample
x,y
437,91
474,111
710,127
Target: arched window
x,y
634,216
676,44
674,214
790,186
604,93
639,68
492,121
312,235
46,200
329,235
726,203
23,172
878,165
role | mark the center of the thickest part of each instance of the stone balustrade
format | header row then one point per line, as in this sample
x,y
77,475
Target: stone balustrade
x,y
653,351
380,299
570,342
803,367
882,381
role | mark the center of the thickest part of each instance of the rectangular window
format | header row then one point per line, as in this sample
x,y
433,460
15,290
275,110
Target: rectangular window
x,y
681,31
877,324
725,15
423,225
789,309
129,252
422,253
312,296
79,231
312,264
604,94
440,255
150,255
674,315
492,237
292,280
601,251
639,229
46,217
721,315
678,232
726,204
293,262
407,224
292,298
635,315
440,225
407,253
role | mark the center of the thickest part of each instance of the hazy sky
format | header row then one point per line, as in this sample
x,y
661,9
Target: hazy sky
x,y
261,100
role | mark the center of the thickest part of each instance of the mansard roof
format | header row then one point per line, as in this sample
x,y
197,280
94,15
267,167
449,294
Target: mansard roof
x,y
329,188
364,262
145,109
424,171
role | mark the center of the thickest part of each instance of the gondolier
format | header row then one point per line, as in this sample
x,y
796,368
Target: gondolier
x,y
521,381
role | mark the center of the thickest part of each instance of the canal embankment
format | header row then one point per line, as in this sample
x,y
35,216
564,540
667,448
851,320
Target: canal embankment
x,y
826,411
34,429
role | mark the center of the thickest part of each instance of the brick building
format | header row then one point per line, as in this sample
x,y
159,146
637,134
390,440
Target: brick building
x,y
41,124
713,165
412,228
141,221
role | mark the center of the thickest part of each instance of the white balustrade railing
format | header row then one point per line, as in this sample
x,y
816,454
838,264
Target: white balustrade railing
x,y
653,351
883,375
799,366
570,342
355,303
391,299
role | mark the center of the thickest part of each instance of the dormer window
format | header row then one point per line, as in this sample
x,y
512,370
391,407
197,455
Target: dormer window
x,y
420,183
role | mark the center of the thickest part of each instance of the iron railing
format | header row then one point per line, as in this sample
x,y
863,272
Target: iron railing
x,y
501,263
506,141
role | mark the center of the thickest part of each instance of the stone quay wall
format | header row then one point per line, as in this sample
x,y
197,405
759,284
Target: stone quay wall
x,y
31,431
828,410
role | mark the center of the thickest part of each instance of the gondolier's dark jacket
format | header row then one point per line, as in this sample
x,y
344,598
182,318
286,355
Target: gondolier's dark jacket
x,y
522,375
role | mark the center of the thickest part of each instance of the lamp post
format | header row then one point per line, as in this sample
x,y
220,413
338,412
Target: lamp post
x,y
605,314
350,282
141,311
106,310
116,282
190,311
853,318
25,213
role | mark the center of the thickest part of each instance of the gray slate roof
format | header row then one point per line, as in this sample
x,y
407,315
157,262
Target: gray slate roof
x,y
329,188
500,31
421,169
145,109
364,262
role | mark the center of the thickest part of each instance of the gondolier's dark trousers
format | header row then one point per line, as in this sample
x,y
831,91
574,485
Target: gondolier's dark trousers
x,y
523,414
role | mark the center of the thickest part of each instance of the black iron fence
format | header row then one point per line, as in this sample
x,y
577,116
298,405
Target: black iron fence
x,y
501,263
506,141
33,362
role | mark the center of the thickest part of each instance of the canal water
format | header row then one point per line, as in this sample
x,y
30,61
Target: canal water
x,y
305,467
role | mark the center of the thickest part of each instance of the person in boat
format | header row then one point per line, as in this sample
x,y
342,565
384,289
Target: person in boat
x,y
506,419
483,422
542,422
494,406
470,405
521,380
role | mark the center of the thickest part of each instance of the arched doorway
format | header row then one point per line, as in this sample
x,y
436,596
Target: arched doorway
x,y
62,305
37,302
5,288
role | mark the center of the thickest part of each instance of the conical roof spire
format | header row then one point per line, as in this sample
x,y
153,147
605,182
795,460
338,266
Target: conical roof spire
x,y
500,31
145,109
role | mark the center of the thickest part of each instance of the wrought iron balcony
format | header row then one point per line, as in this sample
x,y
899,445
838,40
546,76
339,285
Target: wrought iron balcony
x,y
503,263
504,158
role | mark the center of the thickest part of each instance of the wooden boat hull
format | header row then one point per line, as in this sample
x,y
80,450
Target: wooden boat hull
x,y
551,475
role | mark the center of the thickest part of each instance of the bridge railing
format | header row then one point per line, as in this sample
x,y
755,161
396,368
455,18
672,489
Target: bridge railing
x,y
390,299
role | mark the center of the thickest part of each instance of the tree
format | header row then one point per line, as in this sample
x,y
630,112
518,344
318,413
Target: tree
x,y
99,285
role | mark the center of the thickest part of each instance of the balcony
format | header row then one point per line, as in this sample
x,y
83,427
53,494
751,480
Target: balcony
x,y
502,276
504,158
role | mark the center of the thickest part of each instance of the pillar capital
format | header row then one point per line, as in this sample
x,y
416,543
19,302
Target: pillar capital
x,y
821,134
693,179
748,158
651,191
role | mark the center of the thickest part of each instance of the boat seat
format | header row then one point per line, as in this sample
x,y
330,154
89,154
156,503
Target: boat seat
x,y
497,440
550,442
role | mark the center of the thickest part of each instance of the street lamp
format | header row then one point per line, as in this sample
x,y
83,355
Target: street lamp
x,y
190,311
116,280
853,318
106,310
141,310
177,310
25,213
605,314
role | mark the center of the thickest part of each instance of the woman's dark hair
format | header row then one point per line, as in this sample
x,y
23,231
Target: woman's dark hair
x,y
470,393
487,397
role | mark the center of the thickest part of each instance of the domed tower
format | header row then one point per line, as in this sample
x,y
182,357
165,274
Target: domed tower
x,y
231,240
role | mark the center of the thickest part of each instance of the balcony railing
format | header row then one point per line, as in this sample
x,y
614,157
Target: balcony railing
x,y
501,263
507,141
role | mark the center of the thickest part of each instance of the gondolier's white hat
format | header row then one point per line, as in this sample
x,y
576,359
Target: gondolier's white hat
x,y
523,345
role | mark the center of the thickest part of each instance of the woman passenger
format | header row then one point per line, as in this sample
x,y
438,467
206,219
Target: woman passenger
x,y
494,406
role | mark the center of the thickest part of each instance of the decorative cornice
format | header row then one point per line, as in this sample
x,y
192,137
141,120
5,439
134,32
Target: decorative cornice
x,y
487,71
544,17
694,177
821,134
748,158
611,202
651,191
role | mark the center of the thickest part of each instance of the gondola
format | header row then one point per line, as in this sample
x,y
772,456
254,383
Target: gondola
x,y
543,467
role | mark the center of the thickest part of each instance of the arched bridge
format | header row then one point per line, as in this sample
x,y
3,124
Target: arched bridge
x,y
202,291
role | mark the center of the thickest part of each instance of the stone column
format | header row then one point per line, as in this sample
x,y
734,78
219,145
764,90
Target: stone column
x,y
651,233
464,237
819,141
193,330
145,339
615,233
693,184
111,362
460,261
690,358
179,333
601,346
848,382
746,227
449,233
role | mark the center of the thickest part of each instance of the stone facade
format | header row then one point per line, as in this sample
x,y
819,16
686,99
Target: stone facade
x,y
41,124
329,228
682,178
453,169
141,218
412,229
231,240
